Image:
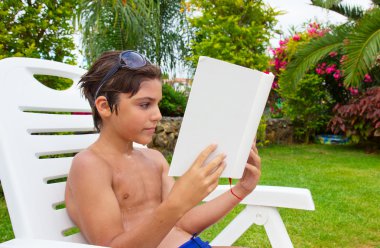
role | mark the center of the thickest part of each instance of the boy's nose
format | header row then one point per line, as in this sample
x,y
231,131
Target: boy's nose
x,y
157,114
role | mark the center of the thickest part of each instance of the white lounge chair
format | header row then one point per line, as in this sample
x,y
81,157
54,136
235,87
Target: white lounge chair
x,y
28,174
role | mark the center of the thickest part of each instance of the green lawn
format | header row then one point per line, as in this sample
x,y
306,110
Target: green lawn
x,y
345,184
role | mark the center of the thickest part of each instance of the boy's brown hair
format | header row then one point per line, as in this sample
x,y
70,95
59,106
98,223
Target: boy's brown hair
x,y
125,80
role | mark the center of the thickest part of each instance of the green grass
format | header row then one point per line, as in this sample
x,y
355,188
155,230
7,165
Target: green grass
x,y
345,185
6,232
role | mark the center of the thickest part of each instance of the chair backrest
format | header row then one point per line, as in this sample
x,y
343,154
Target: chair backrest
x,y
32,177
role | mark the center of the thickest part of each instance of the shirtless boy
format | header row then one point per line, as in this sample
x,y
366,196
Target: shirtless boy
x,y
121,196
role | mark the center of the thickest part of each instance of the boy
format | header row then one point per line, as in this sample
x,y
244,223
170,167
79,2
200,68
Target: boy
x,y
121,196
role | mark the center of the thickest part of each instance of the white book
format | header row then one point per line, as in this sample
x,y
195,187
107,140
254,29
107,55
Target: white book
x,y
225,106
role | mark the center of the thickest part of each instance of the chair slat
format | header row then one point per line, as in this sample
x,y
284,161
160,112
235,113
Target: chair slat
x,y
76,238
57,144
51,168
40,123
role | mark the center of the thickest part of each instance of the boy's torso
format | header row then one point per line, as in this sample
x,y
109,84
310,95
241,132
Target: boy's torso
x,y
137,184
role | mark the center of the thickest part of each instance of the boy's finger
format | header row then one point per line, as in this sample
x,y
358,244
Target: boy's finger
x,y
254,148
218,172
204,155
255,158
214,164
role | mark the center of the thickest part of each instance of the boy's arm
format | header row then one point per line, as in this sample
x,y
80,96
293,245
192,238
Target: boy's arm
x,y
202,216
98,213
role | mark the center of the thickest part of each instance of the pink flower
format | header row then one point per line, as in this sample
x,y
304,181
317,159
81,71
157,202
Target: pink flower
x,y
296,37
274,85
283,64
277,63
279,50
311,31
354,91
283,42
319,71
333,54
314,25
337,74
344,57
331,69
367,78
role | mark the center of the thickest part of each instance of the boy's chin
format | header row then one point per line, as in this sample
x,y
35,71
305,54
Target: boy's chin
x,y
144,141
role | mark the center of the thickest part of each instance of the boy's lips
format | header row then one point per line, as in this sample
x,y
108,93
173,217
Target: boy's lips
x,y
150,129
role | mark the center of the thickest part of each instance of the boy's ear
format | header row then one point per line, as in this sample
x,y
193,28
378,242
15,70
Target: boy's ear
x,y
102,106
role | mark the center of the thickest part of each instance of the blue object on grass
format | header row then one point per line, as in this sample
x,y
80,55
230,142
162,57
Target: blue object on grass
x,y
332,139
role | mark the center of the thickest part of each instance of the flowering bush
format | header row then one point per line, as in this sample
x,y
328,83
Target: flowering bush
x,y
330,76
282,55
329,69
308,105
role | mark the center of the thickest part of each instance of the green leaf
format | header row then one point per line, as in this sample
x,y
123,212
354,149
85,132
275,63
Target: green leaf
x,y
351,12
363,48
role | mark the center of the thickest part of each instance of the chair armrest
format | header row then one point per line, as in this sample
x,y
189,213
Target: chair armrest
x,y
273,196
41,243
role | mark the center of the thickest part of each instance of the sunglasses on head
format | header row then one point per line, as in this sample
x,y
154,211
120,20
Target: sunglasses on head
x,y
127,59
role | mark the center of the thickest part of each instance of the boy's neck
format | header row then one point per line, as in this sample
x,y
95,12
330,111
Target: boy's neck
x,y
111,144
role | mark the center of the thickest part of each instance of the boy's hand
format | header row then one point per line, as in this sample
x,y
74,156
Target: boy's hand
x,y
199,181
251,173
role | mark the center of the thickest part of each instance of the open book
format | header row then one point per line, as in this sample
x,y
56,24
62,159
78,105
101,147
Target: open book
x,y
225,106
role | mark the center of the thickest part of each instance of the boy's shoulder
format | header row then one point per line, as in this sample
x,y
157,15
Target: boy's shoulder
x,y
87,160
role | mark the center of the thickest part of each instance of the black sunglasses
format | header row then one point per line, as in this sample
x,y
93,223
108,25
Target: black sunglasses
x,y
127,59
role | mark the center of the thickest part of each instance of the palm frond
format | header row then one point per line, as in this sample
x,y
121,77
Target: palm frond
x,y
326,4
351,12
363,48
309,54
113,25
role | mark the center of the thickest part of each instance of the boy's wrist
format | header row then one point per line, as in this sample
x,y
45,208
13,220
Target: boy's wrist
x,y
239,191
174,207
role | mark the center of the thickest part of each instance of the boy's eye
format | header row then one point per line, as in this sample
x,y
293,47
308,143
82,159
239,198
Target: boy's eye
x,y
144,105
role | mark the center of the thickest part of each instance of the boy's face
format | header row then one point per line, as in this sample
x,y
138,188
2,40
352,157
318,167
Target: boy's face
x,y
138,115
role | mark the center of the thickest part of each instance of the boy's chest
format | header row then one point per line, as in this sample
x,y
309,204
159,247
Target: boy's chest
x,y
138,184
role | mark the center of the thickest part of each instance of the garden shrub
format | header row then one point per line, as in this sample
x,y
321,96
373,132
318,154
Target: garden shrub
x,y
54,82
330,69
261,139
173,102
308,106
233,31
282,55
301,105
360,118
